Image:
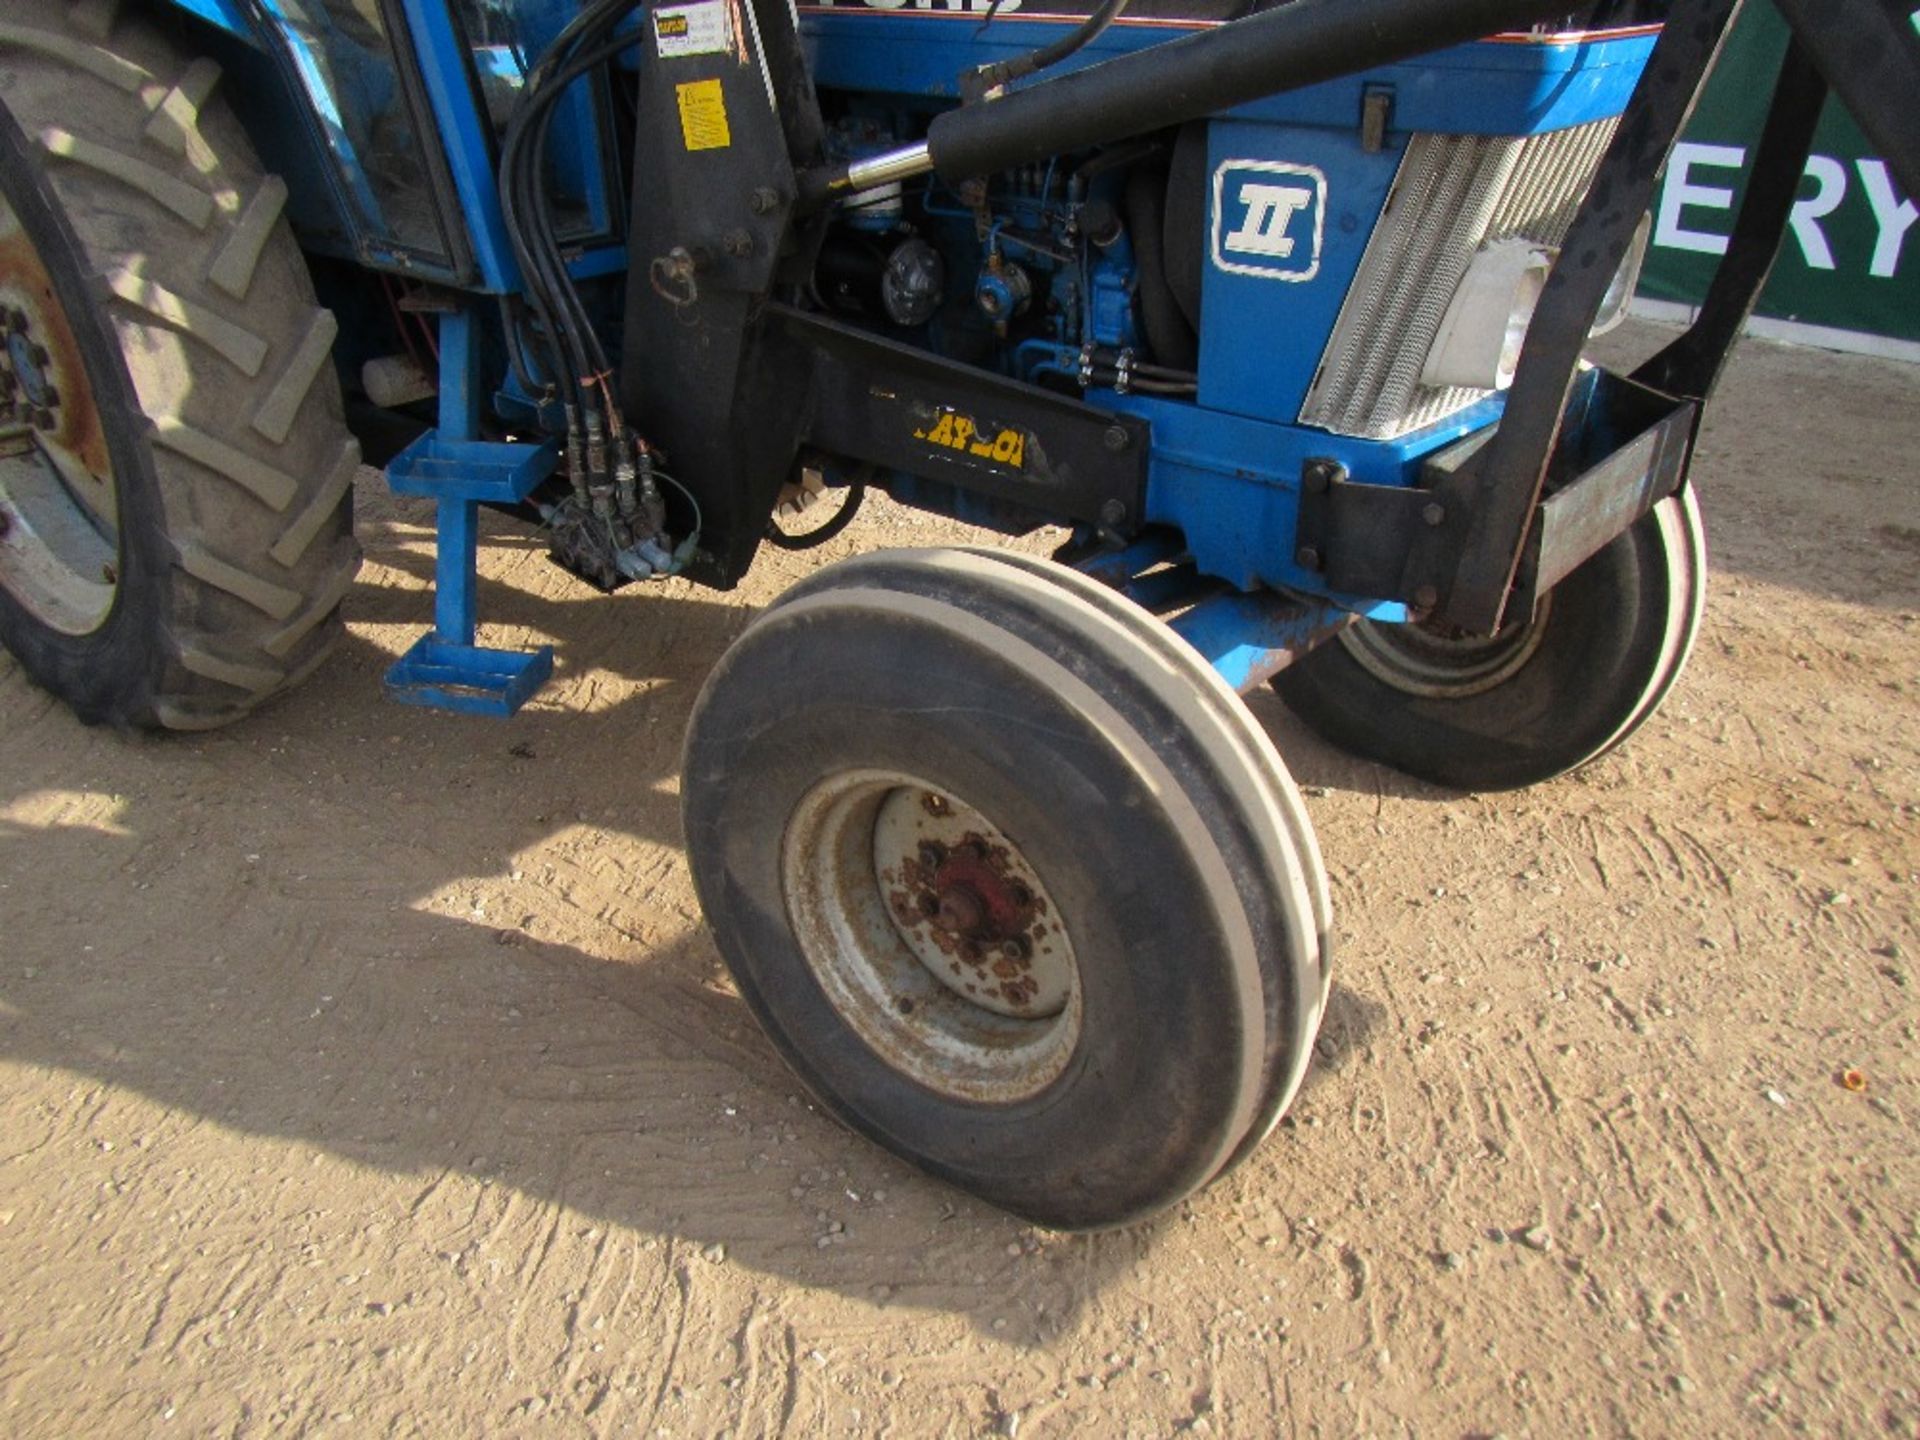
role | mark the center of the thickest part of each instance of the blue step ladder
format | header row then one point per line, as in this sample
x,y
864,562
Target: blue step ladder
x,y
458,471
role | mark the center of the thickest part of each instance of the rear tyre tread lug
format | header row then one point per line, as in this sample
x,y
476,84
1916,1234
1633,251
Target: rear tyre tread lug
x,y
175,125
187,202
275,601
191,717
94,18
282,643
239,255
298,537
275,416
255,680
238,346
272,487
103,65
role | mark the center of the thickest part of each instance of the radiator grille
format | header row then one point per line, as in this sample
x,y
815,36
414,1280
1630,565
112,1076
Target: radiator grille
x,y
1454,194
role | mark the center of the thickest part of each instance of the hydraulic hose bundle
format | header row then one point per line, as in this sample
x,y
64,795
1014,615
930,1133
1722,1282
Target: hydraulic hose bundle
x,y
608,530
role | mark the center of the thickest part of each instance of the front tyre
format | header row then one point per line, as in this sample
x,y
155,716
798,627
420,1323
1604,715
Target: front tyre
x,y
962,854
1546,695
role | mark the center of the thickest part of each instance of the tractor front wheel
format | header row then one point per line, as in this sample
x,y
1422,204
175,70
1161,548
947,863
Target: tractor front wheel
x,y
1014,898
1548,694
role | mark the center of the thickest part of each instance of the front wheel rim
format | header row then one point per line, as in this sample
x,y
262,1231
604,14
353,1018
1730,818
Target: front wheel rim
x,y
59,513
932,936
1425,661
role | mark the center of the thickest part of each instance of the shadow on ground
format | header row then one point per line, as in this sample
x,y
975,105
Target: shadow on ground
x,y
447,947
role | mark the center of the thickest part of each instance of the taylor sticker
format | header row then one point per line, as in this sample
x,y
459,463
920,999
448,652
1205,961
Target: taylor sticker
x,y
698,29
956,432
1269,219
703,115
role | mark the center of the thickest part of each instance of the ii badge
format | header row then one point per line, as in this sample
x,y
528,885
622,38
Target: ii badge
x,y
1269,219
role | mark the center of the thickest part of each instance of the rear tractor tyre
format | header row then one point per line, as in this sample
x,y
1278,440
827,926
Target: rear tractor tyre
x,y
972,852
1546,695
175,469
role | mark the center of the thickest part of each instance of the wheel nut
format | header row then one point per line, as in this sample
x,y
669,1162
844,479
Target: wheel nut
x,y
935,804
1014,949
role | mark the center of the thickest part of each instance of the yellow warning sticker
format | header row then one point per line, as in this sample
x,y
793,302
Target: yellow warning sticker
x,y
703,115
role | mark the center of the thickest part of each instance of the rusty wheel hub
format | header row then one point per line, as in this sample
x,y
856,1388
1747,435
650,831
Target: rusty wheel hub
x,y
932,935
59,512
969,906
27,391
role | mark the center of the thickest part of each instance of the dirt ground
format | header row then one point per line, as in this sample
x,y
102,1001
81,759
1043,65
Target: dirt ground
x,y
368,1071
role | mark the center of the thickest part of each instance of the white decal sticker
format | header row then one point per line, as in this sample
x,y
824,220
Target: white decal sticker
x,y
1269,219
698,29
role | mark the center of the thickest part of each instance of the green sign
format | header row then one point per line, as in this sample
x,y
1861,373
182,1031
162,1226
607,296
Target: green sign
x,y
1851,256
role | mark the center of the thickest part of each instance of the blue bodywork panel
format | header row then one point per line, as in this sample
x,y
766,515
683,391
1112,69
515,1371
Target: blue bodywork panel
x,y
1265,318
1232,485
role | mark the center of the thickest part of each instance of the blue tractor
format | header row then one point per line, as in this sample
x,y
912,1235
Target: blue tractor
x,y
1278,307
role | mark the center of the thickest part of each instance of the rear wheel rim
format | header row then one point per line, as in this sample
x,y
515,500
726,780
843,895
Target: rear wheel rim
x,y
59,513
932,935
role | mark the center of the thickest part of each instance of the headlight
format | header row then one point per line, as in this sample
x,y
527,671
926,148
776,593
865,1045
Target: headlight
x,y
1486,322
1479,341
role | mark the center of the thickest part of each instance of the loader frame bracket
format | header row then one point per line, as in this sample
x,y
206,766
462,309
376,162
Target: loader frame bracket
x,y
1580,454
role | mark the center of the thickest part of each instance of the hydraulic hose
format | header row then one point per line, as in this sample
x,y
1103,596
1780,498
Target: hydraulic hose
x,y
573,350
1001,72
